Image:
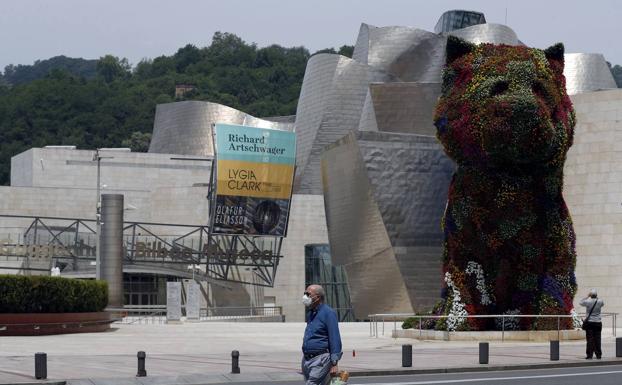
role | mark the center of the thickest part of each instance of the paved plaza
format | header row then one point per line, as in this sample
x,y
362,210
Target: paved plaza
x,y
201,353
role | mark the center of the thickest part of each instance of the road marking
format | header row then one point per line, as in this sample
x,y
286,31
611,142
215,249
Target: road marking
x,y
494,378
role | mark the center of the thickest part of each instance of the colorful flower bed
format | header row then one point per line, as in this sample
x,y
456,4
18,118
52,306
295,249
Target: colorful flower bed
x,y
505,118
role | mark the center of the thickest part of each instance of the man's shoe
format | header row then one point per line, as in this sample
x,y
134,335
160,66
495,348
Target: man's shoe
x,y
598,357
588,358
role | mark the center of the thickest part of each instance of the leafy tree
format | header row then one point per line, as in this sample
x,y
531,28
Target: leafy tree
x,y
21,74
111,67
138,142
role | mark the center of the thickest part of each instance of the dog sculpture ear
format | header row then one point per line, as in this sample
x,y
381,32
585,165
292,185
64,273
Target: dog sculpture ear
x,y
555,54
456,48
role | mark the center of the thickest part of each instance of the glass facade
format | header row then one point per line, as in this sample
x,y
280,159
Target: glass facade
x,y
458,19
320,270
145,289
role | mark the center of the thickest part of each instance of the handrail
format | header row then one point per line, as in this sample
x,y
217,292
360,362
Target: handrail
x,y
157,313
383,317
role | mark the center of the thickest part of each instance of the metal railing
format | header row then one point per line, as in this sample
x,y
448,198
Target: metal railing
x,y
375,319
156,314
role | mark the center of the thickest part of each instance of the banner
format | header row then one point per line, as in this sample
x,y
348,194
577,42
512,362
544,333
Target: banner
x,y
254,176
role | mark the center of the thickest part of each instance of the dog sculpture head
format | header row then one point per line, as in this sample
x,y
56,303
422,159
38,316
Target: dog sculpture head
x,y
504,106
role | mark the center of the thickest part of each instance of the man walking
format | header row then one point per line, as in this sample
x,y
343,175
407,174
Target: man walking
x,y
594,325
321,346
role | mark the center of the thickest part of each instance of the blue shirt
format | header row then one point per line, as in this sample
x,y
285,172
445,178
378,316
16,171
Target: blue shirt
x,y
322,332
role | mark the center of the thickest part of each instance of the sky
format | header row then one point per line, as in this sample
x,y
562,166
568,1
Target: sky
x,y
137,29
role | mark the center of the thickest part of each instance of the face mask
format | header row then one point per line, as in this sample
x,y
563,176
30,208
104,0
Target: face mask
x,y
306,300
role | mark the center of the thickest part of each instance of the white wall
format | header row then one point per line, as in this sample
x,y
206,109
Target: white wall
x,y
593,193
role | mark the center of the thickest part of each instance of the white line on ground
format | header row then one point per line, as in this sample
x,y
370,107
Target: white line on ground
x,y
495,378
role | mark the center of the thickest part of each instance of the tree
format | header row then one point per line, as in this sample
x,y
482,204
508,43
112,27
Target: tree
x,y
138,142
111,67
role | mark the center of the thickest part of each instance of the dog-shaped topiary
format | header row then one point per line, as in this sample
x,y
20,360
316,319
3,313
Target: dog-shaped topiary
x,y
504,117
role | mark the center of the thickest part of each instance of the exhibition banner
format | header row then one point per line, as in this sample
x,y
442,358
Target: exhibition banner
x,y
254,176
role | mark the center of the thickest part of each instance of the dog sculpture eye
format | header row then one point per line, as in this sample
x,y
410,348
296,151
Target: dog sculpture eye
x,y
499,88
539,89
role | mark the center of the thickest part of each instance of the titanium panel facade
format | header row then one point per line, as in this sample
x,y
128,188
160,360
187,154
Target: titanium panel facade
x,y
587,72
186,127
487,33
384,195
400,107
330,105
411,54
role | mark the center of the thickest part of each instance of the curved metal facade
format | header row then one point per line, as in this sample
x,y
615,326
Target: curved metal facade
x,y
186,127
384,195
586,72
400,107
330,105
488,33
411,54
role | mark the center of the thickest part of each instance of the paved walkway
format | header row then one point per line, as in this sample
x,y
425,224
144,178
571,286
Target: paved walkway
x,y
201,353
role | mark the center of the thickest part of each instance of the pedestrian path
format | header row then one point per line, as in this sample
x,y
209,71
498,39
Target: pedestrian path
x,y
201,353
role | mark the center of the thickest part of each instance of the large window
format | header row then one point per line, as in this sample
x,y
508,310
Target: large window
x,y
320,270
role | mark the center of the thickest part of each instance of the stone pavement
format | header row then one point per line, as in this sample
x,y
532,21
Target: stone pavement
x,y
201,353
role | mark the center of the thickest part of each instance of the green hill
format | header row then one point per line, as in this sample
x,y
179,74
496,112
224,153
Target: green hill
x,y
64,101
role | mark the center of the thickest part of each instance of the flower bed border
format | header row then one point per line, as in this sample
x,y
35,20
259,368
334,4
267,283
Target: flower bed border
x,y
36,324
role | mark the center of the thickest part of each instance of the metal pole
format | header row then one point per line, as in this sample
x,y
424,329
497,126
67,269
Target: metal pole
x,y
98,220
420,332
41,366
554,350
407,356
141,364
557,337
502,328
483,352
235,362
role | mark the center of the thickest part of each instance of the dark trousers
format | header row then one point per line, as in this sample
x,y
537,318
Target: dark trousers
x,y
592,335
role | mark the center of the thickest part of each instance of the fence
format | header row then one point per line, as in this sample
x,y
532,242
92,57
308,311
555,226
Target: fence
x,y
375,319
156,314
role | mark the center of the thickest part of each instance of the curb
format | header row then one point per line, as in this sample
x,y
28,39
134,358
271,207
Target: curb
x,y
40,382
493,368
398,372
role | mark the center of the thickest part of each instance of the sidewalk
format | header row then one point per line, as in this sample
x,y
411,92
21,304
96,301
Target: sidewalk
x,y
201,353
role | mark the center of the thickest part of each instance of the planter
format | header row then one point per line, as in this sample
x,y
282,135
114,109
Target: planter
x,y
35,324
519,335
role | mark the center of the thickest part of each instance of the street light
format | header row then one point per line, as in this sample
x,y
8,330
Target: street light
x,y
98,157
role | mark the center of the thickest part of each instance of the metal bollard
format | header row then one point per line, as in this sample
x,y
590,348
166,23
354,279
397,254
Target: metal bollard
x,y
235,362
619,347
483,352
407,356
554,350
41,366
141,364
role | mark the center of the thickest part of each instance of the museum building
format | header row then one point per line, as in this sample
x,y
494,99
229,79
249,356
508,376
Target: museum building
x,y
369,191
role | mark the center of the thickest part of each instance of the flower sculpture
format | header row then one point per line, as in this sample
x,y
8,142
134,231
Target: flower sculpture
x,y
504,117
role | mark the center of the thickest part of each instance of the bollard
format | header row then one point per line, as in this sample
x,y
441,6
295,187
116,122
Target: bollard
x,y
483,352
619,347
554,350
141,364
235,362
407,356
41,366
